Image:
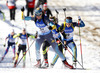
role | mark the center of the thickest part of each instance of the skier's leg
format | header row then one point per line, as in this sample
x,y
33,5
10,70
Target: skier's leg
x,y
56,56
17,55
38,44
45,55
6,51
72,46
10,10
28,11
50,39
32,11
13,47
52,42
24,50
44,47
13,14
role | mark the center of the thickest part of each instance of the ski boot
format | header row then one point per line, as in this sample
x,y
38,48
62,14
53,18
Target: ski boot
x,y
74,64
1,59
45,64
52,65
15,63
23,65
13,58
67,65
38,64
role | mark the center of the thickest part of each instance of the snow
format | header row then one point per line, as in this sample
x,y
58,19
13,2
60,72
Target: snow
x,y
90,35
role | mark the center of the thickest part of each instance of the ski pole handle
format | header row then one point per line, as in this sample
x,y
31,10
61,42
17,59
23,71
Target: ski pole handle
x,y
56,11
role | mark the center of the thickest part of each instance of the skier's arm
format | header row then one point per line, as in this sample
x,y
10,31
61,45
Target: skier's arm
x,y
50,12
80,23
3,15
64,36
51,26
61,28
17,35
31,35
29,18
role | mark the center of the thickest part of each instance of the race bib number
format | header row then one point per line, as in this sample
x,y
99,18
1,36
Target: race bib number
x,y
11,40
69,35
44,30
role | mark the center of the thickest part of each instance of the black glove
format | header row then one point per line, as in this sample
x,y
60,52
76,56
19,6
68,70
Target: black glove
x,y
50,28
57,30
4,45
22,9
79,18
0,11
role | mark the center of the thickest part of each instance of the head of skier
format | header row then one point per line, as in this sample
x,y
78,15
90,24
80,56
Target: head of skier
x,y
53,19
38,13
23,31
12,32
68,21
45,6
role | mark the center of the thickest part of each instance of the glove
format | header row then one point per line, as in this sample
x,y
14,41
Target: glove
x,y
22,9
79,18
4,45
57,30
0,11
16,43
50,28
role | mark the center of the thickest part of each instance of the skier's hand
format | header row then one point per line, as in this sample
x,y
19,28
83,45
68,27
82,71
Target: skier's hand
x,y
4,45
50,28
16,43
79,18
65,45
64,42
0,11
22,9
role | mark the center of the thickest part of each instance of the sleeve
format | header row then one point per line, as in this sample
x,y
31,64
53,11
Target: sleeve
x,y
8,36
52,25
61,28
50,12
31,35
64,35
80,24
29,18
17,35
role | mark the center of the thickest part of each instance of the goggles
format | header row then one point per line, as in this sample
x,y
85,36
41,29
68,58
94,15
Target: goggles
x,y
68,21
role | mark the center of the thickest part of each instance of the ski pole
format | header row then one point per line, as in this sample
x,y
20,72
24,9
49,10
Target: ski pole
x,y
64,12
80,41
70,53
26,33
27,42
57,14
25,53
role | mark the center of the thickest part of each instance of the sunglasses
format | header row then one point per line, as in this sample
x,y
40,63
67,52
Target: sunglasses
x,y
52,20
38,14
68,23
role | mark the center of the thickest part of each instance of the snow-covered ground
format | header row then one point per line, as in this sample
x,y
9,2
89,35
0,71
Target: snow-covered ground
x,y
89,10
